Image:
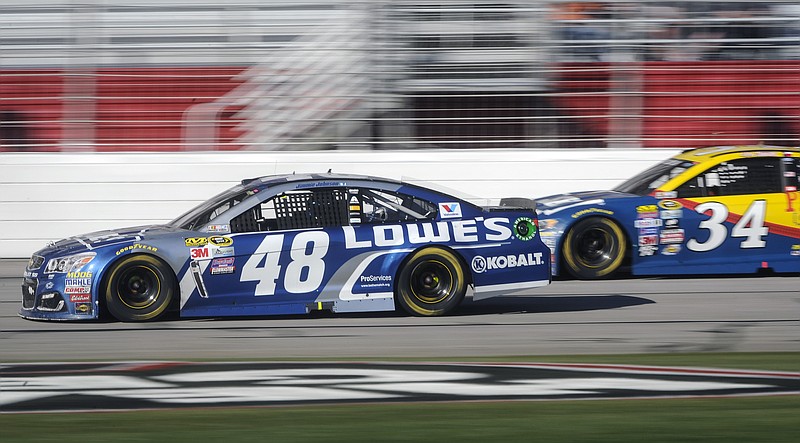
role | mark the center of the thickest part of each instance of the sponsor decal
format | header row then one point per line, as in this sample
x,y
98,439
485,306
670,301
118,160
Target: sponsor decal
x,y
29,274
223,252
647,251
77,289
666,194
372,278
671,249
136,247
78,279
220,262
646,209
648,231
524,228
375,281
219,228
49,285
494,229
450,210
669,205
795,251
222,266
218,240
80,298
482,264
648,240
586,211
671,213
647,223
223,270
194,242
198,253
83,308
671,223
672,236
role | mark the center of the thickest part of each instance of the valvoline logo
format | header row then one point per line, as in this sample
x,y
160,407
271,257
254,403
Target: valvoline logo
x,y
450,210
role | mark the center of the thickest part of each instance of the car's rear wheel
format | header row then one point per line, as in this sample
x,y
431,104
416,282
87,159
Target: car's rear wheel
x,y
431,282
139,288
594,248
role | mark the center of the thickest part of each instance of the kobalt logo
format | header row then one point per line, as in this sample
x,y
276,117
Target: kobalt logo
x,y
482,264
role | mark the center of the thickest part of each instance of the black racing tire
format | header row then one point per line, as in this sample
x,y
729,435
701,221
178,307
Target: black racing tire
x,y
139,288
594,248
431,282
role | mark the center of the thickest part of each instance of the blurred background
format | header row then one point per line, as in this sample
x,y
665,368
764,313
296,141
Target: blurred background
x,y
176,75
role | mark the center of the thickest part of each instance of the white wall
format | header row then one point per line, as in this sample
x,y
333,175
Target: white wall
x,y
47,196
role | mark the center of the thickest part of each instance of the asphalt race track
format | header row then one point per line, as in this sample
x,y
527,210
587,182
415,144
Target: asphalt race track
x,y
636,315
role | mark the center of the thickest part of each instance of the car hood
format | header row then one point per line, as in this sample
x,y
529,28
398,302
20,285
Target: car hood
x,y
552,204
99,239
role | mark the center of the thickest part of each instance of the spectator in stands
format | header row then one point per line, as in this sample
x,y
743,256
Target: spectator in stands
x,y
575,27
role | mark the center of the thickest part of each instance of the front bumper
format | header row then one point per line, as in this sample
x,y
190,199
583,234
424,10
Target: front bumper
x,y
47,302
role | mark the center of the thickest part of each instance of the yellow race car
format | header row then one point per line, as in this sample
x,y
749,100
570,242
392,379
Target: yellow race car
x,y
705,211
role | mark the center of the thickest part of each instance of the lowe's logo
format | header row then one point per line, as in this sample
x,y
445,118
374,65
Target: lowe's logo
x,y
482,264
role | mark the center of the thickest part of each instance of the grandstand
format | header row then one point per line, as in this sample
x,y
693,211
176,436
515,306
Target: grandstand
x,y
171,75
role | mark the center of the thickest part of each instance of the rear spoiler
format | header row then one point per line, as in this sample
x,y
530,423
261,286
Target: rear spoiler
x,y
519,202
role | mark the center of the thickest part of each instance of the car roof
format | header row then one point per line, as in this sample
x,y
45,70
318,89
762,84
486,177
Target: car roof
x,y
703,154
271,180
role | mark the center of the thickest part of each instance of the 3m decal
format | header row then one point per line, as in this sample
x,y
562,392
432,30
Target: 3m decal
x,y
198,253
450,210
648,240
750,226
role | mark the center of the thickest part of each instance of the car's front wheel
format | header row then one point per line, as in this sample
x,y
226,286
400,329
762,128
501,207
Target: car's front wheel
x,y
594,248
431,282
139,288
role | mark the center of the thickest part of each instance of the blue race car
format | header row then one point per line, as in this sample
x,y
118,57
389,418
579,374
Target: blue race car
x,y
714,210
292,244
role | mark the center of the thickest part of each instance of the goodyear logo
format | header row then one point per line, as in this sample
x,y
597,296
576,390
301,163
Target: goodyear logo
x,y
136,246
219,240
194,242
669,204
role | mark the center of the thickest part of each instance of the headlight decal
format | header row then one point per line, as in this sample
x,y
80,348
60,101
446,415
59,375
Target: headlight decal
x,y
70,263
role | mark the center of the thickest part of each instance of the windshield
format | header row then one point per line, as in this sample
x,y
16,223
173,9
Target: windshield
x,y
208,210
650,179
